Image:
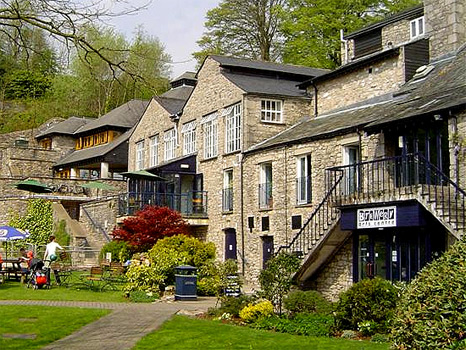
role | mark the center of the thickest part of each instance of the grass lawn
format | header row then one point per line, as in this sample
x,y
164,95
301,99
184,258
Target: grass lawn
x,y
12,290
47,323
187,333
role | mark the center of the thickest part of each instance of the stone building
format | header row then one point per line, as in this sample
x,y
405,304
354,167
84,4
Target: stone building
x,y
359,170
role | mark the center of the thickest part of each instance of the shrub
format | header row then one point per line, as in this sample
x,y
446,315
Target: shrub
x,y
215,277
142,278
233,305
432,311
276,279
120,251
138,296
380,338
314,325
306,302
368,300
367,328
253,312
349,334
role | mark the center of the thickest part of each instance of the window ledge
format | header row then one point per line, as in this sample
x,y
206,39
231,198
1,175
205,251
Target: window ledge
x,y
271,122
207,159
265,209
228,212
303,205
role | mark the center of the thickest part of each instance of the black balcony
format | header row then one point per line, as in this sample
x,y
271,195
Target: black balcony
x,y
189,204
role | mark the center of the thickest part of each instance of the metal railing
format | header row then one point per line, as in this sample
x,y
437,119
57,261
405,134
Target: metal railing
x,y
188,204
96,226
322,218
399,178
227,199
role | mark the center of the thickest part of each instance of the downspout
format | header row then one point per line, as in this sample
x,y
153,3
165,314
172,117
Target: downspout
x,y
457,148
286,195
241,185
316,111
345,46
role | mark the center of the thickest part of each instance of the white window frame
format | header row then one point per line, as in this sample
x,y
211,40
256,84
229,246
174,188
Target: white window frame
x,y
233,129
303,195
189,138
272,111
266,186
139,155
169,138
154,150
227,186
210,138
417,27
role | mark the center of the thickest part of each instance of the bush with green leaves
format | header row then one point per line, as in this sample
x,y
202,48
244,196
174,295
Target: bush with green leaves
x,y
310,301
139,296
233,305
61,234
277,278
142,278
371,300
38,220
215,277
432,310
120,251
315,325
254,312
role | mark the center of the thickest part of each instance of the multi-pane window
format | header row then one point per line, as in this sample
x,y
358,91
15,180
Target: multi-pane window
x,y
140,155
417,27
210,138
272,111
303,179
188,131
227,200
170,144
233,128
265,186
154,150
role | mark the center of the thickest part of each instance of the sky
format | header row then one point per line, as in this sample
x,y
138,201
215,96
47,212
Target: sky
x,y
177,23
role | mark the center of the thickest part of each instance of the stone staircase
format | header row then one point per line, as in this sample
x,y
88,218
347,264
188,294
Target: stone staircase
x,y
84,248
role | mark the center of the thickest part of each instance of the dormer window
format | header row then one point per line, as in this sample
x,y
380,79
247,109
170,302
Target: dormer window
x,y
365,44
417,27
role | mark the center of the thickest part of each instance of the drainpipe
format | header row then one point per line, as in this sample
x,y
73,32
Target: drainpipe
x,y
243,257
345,46
456,149
316,112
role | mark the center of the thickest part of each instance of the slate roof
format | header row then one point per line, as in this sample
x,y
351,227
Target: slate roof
x,y
179,93
186,75
266,85
441,89
241,64
93,152
124,116
66,127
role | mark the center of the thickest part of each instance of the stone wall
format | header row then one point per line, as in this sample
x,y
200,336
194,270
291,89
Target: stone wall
x,y
97,216
445,22
324,153
337,276
366,82
458,149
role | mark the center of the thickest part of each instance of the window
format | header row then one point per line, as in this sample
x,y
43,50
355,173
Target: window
x,y
170,144
233,128
417,27
140,155
210,139
296,222
272,111
265,186
227,200
188,131
303,179
154,150
265,223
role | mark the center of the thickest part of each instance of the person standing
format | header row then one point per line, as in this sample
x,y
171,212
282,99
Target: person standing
x,y
50,255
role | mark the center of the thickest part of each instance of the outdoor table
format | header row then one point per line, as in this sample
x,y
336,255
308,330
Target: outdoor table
x,y
12,268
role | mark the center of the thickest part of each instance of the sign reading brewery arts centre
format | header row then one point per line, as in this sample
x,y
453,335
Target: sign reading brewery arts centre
x,y
376,217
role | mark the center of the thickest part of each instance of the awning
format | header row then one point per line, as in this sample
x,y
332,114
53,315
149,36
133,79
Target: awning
x,y
142,175
209,118
188,126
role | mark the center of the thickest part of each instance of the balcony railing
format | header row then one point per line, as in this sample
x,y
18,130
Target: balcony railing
x,y
189,204
402,177
227,199
265,196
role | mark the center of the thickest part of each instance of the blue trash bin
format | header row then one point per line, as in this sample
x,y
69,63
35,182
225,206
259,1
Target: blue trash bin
x,y
185,282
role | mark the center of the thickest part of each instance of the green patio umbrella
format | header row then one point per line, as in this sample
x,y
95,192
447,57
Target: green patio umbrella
x,y
98,186
142,175
32,185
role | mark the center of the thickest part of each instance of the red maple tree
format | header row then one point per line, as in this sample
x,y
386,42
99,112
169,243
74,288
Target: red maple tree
x,y
149,225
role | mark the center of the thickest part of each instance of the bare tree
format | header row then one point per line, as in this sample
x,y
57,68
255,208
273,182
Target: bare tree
x,y
66,22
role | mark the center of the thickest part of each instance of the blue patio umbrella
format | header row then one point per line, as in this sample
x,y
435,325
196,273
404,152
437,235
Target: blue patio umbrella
x,y
8,233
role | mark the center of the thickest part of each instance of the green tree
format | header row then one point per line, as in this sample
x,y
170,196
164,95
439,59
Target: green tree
x,y
311,28
245,28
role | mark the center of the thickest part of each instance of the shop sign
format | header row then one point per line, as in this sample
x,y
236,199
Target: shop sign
x,y
376,217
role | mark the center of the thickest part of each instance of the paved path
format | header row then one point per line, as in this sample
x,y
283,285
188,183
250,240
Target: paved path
x,y
123,327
